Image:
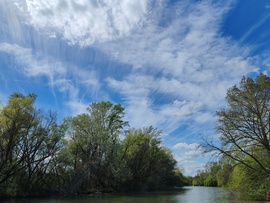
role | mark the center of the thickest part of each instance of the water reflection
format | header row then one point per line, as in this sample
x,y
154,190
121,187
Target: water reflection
x,y
185,195
206,195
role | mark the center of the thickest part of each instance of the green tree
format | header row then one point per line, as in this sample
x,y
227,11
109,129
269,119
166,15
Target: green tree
x,y
28,142
244,127
211,170
224,174
200,178
84,154
208,176
249,183
94,145
149,164
180,180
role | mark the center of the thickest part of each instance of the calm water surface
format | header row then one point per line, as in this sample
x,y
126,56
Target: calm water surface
x,y
185,195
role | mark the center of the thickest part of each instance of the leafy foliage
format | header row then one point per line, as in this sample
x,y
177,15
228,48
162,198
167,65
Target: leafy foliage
x,y
209,176
84,154
148,163
29,141
244,129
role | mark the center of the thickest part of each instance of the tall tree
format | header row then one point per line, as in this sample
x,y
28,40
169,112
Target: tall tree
x,y
94,144
28,141
244,127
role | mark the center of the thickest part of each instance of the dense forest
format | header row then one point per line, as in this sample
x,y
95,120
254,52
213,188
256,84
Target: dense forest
x,y
89,153
243,129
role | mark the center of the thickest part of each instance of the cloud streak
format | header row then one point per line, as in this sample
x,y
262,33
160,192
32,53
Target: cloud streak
x,y
184,61
60,76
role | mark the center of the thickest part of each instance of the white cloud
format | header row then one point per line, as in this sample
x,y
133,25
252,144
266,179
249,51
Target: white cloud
x,y
191,167
190,157
192,154
181,64
204,117
77,107
180,108
140,109
186,61
30,66
186,146
61,77
85,22
189,164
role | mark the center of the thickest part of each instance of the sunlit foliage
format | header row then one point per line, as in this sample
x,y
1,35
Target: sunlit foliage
x,y
244,129
91,152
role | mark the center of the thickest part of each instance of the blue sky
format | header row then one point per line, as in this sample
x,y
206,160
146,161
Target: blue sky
x,y
169,63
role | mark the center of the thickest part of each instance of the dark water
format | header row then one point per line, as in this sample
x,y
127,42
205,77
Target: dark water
x,y
185,195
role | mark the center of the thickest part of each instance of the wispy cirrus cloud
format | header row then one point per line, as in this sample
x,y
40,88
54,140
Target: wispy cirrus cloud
x,y
184,61
61,77
254,27
177,47
30,65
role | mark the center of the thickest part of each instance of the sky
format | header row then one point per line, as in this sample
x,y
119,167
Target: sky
x,y
168,62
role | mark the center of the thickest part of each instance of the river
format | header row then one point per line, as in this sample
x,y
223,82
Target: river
x,y
185,195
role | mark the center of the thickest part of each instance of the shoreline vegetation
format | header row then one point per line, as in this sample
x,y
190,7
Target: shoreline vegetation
x,y
91,152
243,144
97,152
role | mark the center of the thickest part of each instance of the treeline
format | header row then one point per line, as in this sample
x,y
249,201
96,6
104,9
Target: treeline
x,y
87,153
244,141
209,176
